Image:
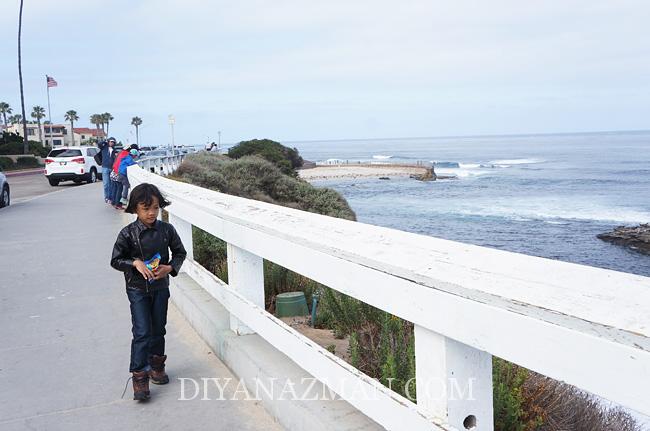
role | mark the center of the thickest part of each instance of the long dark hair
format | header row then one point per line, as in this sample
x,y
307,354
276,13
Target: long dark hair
x,y
144,194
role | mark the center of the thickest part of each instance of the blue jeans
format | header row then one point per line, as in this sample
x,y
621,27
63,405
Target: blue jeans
x,y
106,182
111,191
117,192
148,317
125,186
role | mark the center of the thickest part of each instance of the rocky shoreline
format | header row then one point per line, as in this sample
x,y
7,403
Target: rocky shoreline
x,y
321,172
637,237
312,171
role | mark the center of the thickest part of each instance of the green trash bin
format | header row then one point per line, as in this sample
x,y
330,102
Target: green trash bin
x,y
291,304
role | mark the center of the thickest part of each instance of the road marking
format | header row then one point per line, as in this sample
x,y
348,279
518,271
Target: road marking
x,y
24,200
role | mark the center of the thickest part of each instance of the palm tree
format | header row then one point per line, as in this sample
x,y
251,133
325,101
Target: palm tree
x,y
71,116
107,117
4,110
38,113
16,119
20,78
97,120
137,122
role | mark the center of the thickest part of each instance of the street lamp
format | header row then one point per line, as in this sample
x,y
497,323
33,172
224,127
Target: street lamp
x,y
172,121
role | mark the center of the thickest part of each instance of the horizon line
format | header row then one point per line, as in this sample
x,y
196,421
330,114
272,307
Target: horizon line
x,y
500,135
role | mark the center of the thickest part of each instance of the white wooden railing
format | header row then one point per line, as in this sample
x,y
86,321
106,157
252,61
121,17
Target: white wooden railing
x,y
162,165
586,326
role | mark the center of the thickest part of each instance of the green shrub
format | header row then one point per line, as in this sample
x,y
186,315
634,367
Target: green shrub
x,y
12,143
255,178
381,344
508,397
26,162
285,158
6,163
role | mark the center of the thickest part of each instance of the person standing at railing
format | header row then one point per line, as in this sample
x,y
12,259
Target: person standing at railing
x,y
141,252
128,160
105,151
117,150
115,177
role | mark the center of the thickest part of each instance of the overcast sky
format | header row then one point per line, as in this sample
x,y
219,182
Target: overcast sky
x,y
308,70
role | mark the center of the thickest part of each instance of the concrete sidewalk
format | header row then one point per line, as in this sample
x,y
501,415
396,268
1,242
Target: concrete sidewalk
x,y
23,172
65,330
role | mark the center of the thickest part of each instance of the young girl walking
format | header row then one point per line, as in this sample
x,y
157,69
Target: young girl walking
x,y
141,252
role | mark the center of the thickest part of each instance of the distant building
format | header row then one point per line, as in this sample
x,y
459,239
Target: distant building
x,y
57,134
83,135
54,135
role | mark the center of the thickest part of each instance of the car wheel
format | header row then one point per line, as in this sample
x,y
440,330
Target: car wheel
x,y
93,176
5,199
53,182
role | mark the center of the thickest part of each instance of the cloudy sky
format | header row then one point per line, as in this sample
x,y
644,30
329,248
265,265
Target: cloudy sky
x,y
335,69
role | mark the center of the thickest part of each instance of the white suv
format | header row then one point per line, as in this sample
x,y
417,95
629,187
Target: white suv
x,y
72,163
4,190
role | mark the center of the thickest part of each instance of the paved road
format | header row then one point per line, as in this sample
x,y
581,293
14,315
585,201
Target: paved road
x,y
65,330
26,187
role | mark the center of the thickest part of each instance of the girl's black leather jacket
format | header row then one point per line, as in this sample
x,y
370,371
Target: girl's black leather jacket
x,y
137,241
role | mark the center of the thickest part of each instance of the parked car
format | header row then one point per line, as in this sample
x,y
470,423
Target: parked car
x,y
72,164
5,193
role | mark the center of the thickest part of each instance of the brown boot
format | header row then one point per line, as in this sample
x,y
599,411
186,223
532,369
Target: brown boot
x,y
157,373
141,386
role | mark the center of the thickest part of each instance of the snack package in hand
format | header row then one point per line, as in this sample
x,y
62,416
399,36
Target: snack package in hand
x,y
153,263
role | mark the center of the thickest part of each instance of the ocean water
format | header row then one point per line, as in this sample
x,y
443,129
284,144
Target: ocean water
x,y
541,195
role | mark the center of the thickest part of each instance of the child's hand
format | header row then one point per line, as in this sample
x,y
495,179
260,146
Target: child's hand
x,y
142,269
162,271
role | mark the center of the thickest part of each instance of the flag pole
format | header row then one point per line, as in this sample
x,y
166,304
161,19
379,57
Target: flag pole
x,y
49,111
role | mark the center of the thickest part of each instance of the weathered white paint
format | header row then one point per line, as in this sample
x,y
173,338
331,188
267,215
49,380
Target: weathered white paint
x,y
454,381
184,230
386,407
253,359
246,276
161,165
587,326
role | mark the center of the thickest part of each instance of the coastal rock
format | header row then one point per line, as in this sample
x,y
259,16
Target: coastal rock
x,y
308,164
429,175
637,238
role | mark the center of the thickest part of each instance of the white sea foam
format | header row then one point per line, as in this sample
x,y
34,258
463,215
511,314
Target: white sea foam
x,y
510,162
460,172
556,222
381,156
551,211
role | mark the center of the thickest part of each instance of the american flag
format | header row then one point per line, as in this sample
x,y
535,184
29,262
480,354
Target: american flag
x,y
51,82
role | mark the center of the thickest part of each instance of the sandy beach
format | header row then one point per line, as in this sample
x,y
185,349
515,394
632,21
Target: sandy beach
x,y
323,172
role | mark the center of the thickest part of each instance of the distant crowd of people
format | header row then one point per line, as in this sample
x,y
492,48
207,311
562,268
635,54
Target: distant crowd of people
x,y
115,159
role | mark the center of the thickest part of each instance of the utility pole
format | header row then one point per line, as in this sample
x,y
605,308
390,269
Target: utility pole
x,y
20,77
172,121
219,141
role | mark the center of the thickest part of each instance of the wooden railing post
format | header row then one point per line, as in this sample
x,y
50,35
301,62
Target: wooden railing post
x,y
453,381
246,276
184,230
